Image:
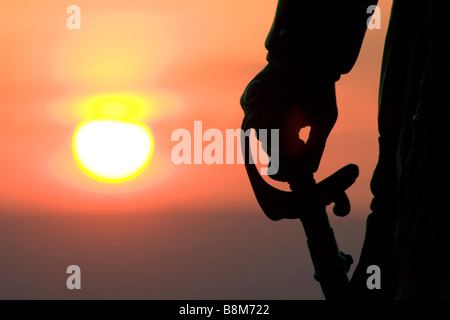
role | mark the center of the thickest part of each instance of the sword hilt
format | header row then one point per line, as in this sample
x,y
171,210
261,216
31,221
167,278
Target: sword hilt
x,y
308,202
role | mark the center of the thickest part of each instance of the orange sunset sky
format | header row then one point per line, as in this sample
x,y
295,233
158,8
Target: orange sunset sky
x,y
187,231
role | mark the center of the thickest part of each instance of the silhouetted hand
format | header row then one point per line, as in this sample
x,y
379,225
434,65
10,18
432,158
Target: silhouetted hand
x,y
283,98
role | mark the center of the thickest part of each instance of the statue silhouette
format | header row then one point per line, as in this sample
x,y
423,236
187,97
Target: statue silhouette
x,y
310,45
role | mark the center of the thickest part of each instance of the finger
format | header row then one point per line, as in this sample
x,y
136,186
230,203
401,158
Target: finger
x,y
316,145
251,95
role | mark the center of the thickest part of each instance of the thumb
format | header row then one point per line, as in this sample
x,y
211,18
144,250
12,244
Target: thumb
x,y
315,145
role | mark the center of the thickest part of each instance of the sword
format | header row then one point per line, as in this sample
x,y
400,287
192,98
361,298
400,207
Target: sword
x,y
309,205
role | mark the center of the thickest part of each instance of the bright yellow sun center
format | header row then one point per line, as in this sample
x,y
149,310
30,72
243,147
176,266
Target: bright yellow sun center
x,y
112,150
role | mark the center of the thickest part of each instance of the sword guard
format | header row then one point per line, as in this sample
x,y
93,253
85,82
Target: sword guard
x,y
278,204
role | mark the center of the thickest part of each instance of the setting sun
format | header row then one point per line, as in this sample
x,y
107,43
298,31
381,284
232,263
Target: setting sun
x,y
112,150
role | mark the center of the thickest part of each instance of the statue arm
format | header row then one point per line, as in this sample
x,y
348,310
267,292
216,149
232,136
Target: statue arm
x,y
320,38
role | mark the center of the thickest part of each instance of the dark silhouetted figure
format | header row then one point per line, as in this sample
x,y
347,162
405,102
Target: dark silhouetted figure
x,y
311,44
